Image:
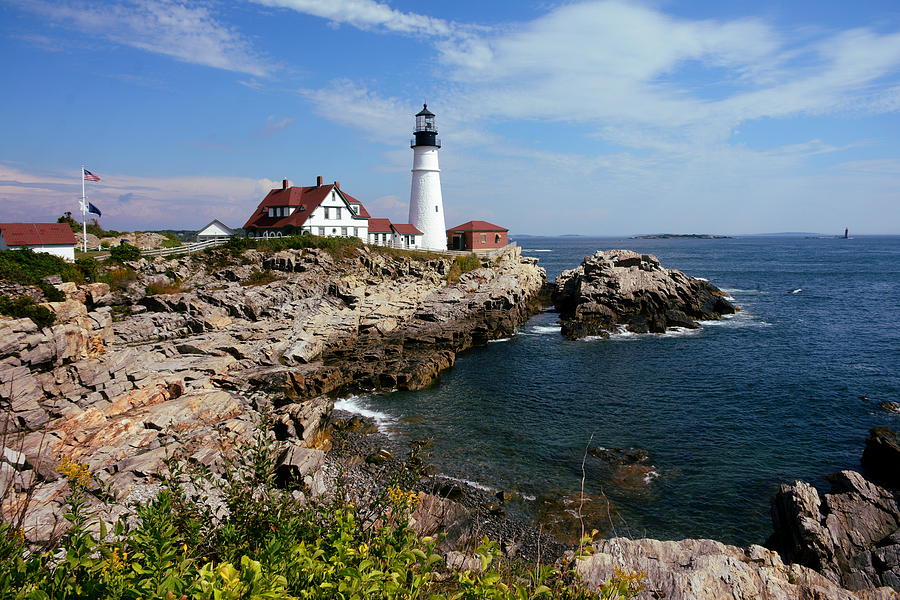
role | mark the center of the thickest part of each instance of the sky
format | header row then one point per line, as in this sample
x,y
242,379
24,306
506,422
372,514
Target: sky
x,y
589,117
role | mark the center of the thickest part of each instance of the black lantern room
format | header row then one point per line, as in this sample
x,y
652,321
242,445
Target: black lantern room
x,y
426,130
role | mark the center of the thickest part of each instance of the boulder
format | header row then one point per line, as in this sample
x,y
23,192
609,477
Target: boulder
x,y
296,462
617,289
708,570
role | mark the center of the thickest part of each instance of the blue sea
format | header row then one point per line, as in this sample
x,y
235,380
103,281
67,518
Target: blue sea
x,y
726,413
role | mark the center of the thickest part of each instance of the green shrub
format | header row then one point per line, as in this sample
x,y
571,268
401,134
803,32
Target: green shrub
x,y
28,267
264,545
88,267
124,252
51,293
24,307
260,278
462,264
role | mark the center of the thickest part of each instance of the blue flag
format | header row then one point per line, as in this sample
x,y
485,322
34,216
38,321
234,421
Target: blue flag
x,y
94,209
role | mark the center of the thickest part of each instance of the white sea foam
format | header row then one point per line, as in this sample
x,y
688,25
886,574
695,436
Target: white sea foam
x,y
701,278
536,250
679,332
650,476
356,406
544,329
498,340
474,484
744,292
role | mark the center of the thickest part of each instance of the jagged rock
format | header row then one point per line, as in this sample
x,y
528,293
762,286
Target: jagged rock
x,y
434,514
881,458
296,462
707,570
621,288
844,535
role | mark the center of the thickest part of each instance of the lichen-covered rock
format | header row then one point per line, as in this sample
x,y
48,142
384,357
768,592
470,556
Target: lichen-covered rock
x,y
616,289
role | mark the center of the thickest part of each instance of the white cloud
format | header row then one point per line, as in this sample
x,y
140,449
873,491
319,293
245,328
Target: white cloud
x,y
131,201
184,31
368,14
274,125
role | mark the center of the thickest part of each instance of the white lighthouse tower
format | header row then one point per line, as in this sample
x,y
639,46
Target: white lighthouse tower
x,y
426,206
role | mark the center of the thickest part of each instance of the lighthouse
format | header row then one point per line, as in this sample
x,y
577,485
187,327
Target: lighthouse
x,y
426,206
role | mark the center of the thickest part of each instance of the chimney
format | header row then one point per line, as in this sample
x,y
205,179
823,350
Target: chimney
x,y
284,184
337,184
319,181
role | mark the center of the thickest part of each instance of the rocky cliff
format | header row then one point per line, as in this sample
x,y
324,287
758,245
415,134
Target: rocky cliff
x,y
620,289
125,379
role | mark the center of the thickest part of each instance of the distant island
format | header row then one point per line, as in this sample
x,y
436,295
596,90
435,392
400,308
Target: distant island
x,y
695,236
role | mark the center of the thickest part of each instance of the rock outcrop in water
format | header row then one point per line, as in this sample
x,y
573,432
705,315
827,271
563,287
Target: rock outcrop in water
x,y
851,534
614,289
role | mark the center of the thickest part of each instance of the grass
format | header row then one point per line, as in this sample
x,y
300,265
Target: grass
x,y
173,287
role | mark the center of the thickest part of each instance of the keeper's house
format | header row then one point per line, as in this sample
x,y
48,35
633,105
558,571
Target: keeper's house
x,y
52,238
320,210
477,235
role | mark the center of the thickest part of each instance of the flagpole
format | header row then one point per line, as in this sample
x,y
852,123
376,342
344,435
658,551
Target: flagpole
x,y
83,212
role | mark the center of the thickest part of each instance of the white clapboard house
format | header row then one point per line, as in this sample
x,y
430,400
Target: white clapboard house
x,y
321,209
215,231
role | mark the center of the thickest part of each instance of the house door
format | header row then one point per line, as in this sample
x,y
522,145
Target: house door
x,y
458,243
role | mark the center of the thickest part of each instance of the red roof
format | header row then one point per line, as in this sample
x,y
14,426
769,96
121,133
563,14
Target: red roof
x,y
304,199
405,229
379,226
37,234
478,226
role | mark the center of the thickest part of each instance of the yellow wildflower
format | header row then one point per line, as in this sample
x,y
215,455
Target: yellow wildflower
x,y
79,475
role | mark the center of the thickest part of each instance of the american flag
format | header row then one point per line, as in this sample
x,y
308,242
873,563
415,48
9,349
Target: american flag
x,y
88,176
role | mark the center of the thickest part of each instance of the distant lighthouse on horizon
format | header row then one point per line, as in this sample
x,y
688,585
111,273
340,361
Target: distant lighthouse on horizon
x,y
426,205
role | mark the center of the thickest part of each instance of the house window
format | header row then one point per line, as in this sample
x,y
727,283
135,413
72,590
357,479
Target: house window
x,y
271,212
334,230
483,238
343,231
337,212
327,213
435,208
354,209
321,231
496,238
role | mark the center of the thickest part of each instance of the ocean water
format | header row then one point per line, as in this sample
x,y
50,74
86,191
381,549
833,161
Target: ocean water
x,y
726,413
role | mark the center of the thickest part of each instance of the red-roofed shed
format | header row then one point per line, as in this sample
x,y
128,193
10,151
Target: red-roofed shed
x,y
52,238
477,235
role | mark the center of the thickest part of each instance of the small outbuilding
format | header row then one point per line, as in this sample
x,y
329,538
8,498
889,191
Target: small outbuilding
x,y
398,235
52,238
215,231
477,235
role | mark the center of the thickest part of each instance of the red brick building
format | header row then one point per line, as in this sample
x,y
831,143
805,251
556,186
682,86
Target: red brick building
x,y
477,235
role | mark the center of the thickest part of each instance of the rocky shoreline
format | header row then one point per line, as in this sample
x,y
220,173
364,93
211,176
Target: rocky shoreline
x,y
126,378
